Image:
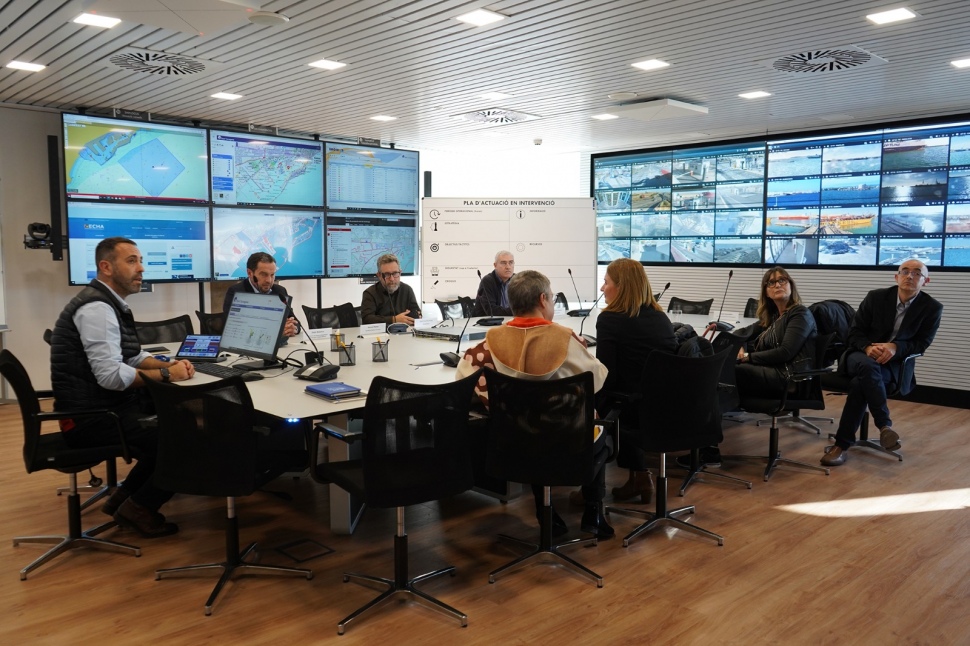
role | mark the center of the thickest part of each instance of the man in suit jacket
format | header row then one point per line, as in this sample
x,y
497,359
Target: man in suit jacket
x,y
890,325
261,279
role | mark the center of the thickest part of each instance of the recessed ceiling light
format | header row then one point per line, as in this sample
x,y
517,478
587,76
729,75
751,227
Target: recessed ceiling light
x,y
964,62
324,64
267,18
481,17
893,15
495,96
652,64
606,116
757,94
27,67
226,95
96,21
622,96
383,117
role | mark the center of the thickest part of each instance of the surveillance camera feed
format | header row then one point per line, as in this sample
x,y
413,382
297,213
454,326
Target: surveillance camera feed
x,y
861,199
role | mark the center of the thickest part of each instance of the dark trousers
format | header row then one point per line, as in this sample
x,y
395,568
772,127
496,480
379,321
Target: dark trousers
x,y
867,389
759,381
142,444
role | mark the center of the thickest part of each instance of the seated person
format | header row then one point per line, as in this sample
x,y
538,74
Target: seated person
x,y
531,346
493,291
261,279
389,300
890,325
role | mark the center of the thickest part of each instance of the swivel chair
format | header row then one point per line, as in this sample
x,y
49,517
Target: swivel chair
x,y
168,331
751,308
690,307
211,322
319,317
456,309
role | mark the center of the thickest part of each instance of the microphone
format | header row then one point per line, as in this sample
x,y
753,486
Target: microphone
x,y
666,287
316,356
720,325
491,320
579,312
451,359
590,340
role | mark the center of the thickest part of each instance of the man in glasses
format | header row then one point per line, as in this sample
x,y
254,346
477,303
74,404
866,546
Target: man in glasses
x,y
389,300
890,325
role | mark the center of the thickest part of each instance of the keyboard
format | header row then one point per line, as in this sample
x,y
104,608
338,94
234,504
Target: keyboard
x,y
218,370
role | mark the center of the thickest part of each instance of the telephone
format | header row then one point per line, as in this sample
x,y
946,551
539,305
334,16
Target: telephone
x,y
316,372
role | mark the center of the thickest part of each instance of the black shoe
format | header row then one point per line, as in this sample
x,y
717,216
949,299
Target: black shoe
x,y
114,501
594,522
143,520
710,456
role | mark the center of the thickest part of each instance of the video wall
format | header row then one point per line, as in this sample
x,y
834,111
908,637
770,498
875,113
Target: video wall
x,y
861,199
199,201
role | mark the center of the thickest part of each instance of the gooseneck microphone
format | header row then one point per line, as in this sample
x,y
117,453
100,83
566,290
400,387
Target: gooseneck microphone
x,y
590,340
578,312
666,287
317,355
491,320
720,325
451,359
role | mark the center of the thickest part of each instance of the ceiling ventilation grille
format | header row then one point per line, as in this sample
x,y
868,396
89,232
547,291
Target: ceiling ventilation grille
x,y
824,60
159,63
496,116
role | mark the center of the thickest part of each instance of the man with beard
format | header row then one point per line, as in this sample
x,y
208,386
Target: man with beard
x,y
389,300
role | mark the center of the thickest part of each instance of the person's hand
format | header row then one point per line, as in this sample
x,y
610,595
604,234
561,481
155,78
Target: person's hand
x,y
740,354
404,317
290,329
881,353
181,370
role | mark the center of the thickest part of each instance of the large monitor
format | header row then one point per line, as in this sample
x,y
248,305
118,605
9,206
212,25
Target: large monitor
x,y
365,178
261,170
134,161
356,240
254,328
173,240
293,238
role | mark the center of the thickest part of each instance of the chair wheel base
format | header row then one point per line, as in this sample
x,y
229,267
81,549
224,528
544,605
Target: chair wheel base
x,y
668,519
66,543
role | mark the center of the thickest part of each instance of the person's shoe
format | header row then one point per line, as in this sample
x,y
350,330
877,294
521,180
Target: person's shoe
x,y
576,498
594,522
640,483
710,456
834,457
889,438
143,520
114,501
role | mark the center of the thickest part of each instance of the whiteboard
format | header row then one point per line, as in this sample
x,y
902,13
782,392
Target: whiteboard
x,y
550,235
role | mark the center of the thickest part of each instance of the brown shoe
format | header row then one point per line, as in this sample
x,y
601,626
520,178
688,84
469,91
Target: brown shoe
x,y
143,520
640,483
889,438
834,457
576,498
114,501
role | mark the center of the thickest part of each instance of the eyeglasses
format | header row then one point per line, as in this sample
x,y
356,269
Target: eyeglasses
x,y
780,282
915,273
390,274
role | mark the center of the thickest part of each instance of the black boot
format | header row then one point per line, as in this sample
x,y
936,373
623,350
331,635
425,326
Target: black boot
x,y
594,522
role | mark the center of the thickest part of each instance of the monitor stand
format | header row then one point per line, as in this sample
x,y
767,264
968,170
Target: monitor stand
x,y
261,364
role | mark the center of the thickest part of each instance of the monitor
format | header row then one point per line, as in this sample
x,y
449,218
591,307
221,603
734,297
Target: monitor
x,y
261,170
293,238
116,160
254,328
365,178
356,240
173,240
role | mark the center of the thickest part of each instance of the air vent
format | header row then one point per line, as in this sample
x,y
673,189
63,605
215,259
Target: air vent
x,y
826,60
159,63
496,116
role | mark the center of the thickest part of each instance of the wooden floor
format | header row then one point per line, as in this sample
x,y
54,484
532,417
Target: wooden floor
x,y
876,553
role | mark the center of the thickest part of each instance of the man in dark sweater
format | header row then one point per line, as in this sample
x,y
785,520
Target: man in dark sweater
x,y
493,291
389,300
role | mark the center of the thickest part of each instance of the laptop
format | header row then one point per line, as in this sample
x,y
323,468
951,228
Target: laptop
x,y
200,348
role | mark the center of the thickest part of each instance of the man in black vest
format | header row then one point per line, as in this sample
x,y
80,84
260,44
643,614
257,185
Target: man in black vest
x,y
890,325
95,361
261,279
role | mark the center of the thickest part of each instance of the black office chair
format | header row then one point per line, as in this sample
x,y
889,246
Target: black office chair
x,y
541,433
207,446
360,317
319,317
50,451
751,308
414,450
678,412
802,390
456,309
346,315
167,331
690,307
211,322
48,335
562,300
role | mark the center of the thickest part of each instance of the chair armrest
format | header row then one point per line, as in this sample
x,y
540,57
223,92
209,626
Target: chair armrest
x,y
49,416
323,428
44,394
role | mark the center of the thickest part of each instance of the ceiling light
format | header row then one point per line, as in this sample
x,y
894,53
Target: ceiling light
x,y
225,95
93,20
964,62
324,64
383,117
495,96
652,64
267,18
893,15
27,67
606,116
758,94
481,17
622,96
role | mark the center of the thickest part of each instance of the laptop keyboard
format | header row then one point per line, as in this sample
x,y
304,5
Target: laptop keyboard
x,y
218,370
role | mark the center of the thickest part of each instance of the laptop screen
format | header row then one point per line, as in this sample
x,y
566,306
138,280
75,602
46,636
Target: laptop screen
x,y
199,346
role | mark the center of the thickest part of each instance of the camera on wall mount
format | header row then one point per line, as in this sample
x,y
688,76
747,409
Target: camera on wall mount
x,y
38,236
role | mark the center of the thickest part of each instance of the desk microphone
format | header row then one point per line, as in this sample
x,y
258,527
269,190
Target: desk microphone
x,y
590,340
491,320
720,325
393,328
579,312
666,287
451,359
316,356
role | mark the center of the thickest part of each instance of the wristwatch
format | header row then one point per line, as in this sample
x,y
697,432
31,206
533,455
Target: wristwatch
x,y
166,375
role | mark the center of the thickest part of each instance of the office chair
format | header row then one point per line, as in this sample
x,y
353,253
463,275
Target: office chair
x,y
51,451
751,308
167,331
319,317
690,307
347,315
678,412
414,450
207,446
211,322
456,309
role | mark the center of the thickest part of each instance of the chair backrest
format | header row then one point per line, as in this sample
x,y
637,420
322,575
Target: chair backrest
x,y
415,441
678,403
467,305
540,432
346,315
16,375
206,441
451,309
211,322
168,331
318,317
833,316
695,346
751,308
48,335
727,394
690,307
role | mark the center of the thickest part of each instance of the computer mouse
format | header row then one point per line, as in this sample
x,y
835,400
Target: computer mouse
x,y
251,376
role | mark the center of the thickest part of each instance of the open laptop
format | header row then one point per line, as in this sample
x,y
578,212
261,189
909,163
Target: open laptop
x,y
200,348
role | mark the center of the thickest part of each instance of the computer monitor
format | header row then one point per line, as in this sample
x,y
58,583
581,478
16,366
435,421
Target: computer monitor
x,y
254,328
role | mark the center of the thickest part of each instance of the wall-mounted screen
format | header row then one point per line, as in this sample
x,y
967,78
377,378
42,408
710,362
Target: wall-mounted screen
x,y
356,240
261,170
364,178
134,161
293,238
173,240
861,199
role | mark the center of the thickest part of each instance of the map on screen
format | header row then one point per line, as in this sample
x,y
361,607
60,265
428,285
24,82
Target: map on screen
x,y
293,238
371,179
355,242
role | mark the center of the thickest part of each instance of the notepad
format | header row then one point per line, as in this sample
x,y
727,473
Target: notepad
x,y
333,390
